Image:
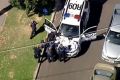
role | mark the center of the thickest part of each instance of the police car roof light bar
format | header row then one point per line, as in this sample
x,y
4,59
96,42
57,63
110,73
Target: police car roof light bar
x,y
77,17
67,8
66,15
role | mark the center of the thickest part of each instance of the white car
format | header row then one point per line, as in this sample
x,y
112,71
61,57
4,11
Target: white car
x,y
72,26
111,47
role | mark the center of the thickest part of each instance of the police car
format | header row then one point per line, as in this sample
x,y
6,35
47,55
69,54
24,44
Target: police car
x,y
72,26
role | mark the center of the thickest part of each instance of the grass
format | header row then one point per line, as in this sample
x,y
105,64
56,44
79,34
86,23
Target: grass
x,y
17,31
18,64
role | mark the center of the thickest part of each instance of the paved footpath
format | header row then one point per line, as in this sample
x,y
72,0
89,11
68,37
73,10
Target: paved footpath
x,y
3,4
57,18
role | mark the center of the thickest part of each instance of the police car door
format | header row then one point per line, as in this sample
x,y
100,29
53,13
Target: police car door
x,y
90,34
49,26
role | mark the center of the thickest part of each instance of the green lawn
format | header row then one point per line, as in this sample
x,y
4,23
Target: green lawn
x,y
18,64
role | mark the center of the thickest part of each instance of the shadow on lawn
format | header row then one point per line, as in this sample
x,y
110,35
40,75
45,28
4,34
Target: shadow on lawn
x,y
41,29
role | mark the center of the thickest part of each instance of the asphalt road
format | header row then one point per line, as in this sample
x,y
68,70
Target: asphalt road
x,y
81,67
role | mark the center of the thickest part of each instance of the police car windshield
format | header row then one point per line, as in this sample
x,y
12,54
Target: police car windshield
x,y
69,30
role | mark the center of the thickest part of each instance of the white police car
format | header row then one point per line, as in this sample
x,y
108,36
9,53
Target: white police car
x,y
72,26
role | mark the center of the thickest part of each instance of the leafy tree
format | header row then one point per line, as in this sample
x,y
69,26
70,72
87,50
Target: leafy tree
x,y
30,5
14,2
33,5
17,3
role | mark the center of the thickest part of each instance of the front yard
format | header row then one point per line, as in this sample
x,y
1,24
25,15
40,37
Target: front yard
x,y
16,59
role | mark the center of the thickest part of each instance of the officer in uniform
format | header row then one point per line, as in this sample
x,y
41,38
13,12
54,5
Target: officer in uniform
x,y
33,26
50,51
51,36
61,51
49,54
37,52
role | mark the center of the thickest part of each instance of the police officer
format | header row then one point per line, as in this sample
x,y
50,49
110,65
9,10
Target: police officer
x,y
61,51
37,52
68,48
49,54
51,36
33,26
50,51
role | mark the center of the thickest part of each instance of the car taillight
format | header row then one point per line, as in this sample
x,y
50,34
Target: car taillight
x,y
77,17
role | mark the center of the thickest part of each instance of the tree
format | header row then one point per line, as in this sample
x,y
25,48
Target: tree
x,y
17,3
33,5
30,5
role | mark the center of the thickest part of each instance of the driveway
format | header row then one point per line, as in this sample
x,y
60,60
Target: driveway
x,y
3,5
81,67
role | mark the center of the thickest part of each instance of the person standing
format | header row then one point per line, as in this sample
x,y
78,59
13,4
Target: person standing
x,y
37,52
50,51
33,26
61,51
51,36
49,54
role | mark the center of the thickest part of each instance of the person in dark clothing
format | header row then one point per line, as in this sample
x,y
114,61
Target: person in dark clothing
x,y
44,44
33,26
49,54
37,52
51,36
68,48
61,51
50,51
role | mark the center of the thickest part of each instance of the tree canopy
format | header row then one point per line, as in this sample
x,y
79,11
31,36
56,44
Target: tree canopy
x,y
35,6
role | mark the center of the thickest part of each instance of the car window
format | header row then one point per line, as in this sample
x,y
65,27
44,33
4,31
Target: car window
x,y
103,73
114,37
69,30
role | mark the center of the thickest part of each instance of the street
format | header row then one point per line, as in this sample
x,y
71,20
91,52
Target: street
x,y
3,5
81,67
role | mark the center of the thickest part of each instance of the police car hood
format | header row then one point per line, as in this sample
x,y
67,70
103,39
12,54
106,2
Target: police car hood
x,y
66,42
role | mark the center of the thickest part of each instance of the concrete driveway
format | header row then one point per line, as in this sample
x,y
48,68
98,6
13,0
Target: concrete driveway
x,y
3,5
81,67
